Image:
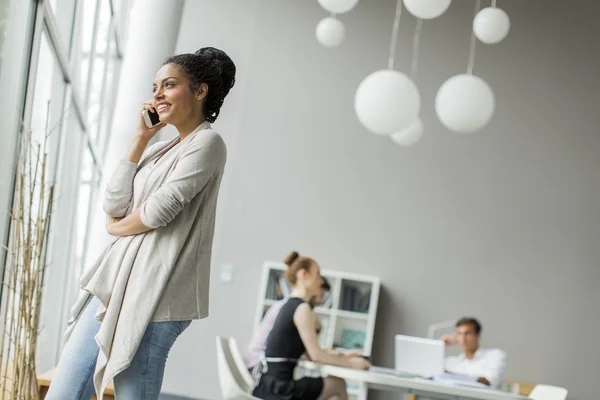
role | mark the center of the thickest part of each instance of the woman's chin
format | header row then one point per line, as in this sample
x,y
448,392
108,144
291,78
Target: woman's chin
x,y
165,117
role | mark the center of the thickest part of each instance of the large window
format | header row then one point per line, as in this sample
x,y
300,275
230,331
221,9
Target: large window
x,y
71,64
3,19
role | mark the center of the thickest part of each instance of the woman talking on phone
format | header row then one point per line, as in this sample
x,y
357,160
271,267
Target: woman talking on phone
x,y
153,279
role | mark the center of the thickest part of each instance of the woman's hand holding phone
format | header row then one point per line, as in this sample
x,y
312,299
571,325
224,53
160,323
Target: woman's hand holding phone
x,y
143,134
143,131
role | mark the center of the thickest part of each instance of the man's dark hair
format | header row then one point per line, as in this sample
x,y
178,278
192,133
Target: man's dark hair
x,y
470,321
325,285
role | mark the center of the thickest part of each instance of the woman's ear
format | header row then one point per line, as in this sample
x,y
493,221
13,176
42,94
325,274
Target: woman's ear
x,y
301,273
202,91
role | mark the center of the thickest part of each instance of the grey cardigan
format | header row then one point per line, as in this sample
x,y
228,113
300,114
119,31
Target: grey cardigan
x,y
163,274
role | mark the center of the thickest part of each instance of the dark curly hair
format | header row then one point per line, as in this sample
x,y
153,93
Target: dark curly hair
x,y
213,67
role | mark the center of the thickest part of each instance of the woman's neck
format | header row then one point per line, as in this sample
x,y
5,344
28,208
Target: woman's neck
x,y
300,293
187,127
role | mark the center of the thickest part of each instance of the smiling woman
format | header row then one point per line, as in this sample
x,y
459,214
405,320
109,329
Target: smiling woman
x,y
152,280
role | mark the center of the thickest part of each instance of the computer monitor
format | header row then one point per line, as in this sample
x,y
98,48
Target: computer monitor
x,y
419,356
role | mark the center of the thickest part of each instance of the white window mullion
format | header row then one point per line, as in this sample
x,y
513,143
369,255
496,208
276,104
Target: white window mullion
x,y
55,39
92,52
33,63
61,53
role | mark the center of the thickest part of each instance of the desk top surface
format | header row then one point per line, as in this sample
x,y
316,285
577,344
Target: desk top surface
x,y
412,384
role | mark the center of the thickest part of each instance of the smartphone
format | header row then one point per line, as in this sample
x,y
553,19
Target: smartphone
x,y
150,118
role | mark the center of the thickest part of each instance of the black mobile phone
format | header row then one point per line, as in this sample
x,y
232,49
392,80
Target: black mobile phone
x,y
151,118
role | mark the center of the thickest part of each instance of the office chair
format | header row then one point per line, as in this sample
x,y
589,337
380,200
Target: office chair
x,y
230,379
241,365
547,392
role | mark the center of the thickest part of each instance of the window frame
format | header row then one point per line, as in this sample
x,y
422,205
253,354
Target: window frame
x,y
42,21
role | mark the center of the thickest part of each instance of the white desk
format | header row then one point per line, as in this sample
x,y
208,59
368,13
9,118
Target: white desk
x,y
420,387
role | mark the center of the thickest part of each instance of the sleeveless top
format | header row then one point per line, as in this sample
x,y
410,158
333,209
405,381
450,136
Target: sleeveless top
x,y
284,344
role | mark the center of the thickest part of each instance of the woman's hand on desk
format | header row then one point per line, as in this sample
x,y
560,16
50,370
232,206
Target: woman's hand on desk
x,y
359,362
351,353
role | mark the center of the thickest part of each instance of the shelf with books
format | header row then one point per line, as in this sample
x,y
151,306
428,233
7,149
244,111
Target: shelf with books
x,y
355,296
352,315
351,334
322,311
277,286
324,329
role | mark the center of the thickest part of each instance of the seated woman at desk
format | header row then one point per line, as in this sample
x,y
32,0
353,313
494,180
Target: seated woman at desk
x,y
292,334
254,353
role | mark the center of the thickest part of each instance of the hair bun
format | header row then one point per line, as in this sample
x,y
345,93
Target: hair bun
x,y
293,256
224,64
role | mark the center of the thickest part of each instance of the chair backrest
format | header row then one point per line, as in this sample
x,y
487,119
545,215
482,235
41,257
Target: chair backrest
x,y
241,365
547,392
230,379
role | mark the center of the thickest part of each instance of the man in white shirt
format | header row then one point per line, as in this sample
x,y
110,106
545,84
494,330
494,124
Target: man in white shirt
x,y
488,366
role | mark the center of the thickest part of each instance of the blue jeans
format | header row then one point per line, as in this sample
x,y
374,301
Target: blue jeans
x,y
74,375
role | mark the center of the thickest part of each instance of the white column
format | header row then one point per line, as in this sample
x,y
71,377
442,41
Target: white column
x,y
151,35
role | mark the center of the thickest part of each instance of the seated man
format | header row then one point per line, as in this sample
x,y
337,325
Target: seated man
x,y
258,343
487,365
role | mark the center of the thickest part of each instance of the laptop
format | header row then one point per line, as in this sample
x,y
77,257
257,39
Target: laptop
x,y
416,357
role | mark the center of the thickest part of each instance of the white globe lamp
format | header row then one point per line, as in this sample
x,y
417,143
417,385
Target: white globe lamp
x,y
338,6
410,135
491,25
330,32
465,103
387,101
427,9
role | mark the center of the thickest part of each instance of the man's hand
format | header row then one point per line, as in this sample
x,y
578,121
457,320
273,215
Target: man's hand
x,y
450,339
483,380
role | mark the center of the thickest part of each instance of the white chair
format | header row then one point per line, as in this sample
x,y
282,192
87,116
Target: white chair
x,y
230,379
241,365
547,392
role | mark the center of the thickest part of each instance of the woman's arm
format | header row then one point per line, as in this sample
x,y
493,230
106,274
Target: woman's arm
x,y
201,159
119,190
304,321
130,225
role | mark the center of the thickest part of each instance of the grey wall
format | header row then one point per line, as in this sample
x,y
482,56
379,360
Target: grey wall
x,y
503,224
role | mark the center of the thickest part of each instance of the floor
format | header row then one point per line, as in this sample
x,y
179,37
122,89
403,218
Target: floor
x,y
165,396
